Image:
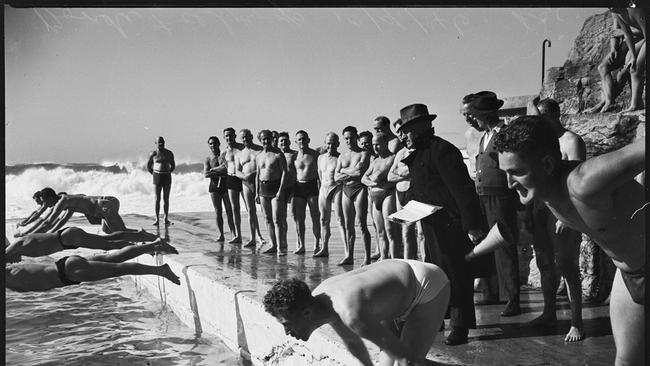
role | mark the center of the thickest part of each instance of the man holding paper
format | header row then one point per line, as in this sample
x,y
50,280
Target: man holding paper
x,y
439,177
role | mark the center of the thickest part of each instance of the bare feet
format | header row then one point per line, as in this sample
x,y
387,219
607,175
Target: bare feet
x,y
322,253
146,236
167,272
251,243
574,335
221,238
633,108
155,223
162,246
167,222
544,320
346,261
375,256
235,240
607,107
272,250
300,250
596,108
282,253
367,261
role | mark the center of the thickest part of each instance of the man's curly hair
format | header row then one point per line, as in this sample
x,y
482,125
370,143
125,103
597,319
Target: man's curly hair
x,y
530,137
287,296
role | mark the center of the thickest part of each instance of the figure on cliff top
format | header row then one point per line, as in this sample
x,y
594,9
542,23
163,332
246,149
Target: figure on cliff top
x,y
629,24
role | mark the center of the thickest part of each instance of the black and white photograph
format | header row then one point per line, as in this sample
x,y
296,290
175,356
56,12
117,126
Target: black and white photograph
x,y
325,185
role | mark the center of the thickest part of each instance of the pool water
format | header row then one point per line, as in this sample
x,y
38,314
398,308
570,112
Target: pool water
x,y
108,322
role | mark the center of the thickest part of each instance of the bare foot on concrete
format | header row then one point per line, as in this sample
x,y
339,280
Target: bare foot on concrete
x,y
251,243
235,240
167,272
221,238
299,250
271,250
375,256
322,253
574,335
346,261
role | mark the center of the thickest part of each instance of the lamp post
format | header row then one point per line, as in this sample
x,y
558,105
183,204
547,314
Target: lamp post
x,y
544,57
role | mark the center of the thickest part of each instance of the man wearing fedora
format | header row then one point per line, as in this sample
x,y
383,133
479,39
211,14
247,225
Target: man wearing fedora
x,y
498,203
439,177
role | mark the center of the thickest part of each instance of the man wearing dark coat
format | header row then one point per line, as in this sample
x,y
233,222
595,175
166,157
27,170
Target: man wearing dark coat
x,y
439,177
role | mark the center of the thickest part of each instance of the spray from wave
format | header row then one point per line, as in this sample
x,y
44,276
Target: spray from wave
x,y
130,182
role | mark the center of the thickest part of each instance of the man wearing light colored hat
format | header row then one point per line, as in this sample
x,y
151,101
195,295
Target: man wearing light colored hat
x,y
439,177
498,203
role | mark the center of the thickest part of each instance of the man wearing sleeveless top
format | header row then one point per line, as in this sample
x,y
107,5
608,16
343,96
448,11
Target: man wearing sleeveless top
x,y
498,203
161,164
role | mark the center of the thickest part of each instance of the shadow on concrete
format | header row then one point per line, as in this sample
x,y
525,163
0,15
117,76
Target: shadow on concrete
x,y
242,341
198,330
596,327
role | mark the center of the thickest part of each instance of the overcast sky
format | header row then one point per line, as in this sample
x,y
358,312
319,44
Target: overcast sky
x,y
93,85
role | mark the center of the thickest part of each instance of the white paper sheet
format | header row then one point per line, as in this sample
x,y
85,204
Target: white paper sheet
x,y
413,211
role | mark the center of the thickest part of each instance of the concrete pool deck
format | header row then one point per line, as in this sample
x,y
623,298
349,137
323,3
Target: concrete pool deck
x,y
222,286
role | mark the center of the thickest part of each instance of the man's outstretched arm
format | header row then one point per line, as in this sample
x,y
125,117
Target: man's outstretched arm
x,y
35,215
353,342
608,171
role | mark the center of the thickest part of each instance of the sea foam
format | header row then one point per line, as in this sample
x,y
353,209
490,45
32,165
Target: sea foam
x,y
133,187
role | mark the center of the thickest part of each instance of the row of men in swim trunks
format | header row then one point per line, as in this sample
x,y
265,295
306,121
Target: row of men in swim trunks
x,y
277,177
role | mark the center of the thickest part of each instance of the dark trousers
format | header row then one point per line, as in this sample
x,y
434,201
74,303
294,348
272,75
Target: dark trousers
x,y
503,208
445,245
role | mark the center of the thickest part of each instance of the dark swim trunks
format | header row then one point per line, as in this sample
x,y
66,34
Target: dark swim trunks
x,y
379,195
60,267
352,188
218,185
269,188
162,179
234,183
306,189
635,283
58,234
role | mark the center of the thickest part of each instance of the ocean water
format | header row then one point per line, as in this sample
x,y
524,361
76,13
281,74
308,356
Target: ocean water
x,y
130,182
108,322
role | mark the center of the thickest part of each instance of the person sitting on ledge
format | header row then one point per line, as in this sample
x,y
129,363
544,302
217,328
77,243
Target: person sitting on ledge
x,y
73,270
397,304
598,197
40,244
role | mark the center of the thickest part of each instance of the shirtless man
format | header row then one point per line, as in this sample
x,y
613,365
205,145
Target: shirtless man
x,y
382,195
553,241
306,191
41,244
247,172
161,164
233,182
271,170
37,213
97,209
286,196
72,270
215,169
631,23
350,167
399,174
382,126
330,193
598,197
368,303
365,143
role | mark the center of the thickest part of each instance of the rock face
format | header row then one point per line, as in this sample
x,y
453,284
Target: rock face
x,y
577,86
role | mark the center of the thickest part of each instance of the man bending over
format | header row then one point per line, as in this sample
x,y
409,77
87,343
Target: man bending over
x,y
368,302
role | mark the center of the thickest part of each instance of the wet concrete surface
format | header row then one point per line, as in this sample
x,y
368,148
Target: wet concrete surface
x,y
497,341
